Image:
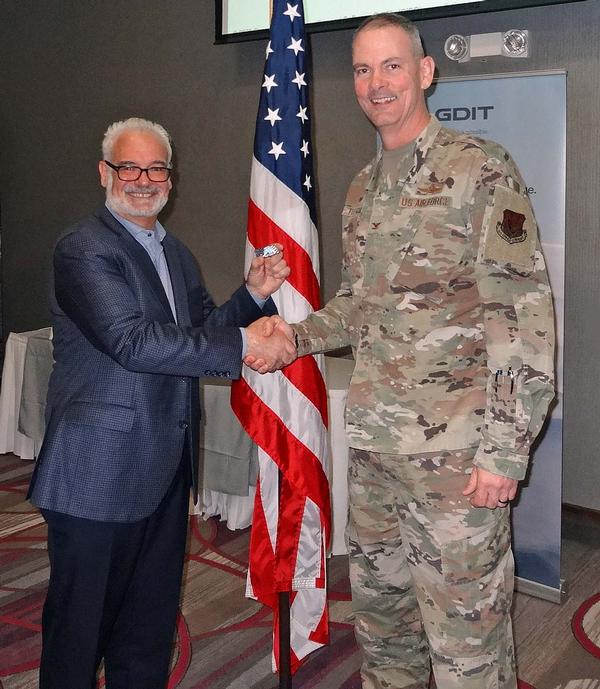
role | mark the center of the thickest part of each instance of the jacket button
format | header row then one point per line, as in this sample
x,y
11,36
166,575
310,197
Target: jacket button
x,y
183,424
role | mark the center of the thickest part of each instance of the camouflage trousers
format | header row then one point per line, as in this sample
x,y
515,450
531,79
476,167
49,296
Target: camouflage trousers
x,y
431,576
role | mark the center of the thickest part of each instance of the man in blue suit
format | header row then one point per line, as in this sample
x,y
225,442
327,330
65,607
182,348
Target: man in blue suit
x,y
134,328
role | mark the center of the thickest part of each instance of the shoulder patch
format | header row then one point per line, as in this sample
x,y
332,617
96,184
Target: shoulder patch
x,y
509,233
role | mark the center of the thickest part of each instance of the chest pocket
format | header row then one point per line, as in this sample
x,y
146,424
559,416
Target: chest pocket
x,y
435,255
353,244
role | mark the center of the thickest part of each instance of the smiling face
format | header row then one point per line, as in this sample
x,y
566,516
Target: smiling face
x,y
389,82
140,201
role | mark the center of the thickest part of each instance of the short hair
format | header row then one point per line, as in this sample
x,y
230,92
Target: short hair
x,y
378,21
134,124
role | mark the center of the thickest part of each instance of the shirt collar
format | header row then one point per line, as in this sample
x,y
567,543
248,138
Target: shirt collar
x,y
422,143
139,232
427,137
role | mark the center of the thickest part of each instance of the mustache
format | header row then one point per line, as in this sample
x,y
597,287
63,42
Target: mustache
x,y
380,94
148,189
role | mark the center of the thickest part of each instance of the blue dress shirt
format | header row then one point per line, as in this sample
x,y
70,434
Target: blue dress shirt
x,y
151,240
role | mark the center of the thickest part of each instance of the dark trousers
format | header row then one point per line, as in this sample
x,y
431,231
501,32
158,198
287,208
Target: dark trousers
x,y
114,593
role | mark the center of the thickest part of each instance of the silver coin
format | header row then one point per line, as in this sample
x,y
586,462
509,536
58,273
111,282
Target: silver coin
x,y
266,251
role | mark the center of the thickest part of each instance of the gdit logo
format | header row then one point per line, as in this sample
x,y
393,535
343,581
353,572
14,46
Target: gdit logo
x,y
461,114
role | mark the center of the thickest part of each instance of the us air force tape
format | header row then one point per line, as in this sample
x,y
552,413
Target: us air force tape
x,y
266,251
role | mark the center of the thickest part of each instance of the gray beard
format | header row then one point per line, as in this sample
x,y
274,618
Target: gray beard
x,y
123,207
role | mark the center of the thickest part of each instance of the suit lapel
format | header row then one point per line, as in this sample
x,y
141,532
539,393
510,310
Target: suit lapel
x,y
177,281
139,256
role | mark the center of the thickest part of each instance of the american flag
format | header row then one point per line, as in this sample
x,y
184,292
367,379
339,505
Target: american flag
x,y
286,413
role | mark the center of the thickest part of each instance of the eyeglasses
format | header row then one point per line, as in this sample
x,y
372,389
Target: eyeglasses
x,y
131,173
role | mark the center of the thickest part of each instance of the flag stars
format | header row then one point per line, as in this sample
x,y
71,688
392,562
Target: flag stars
x,y
292,11
302,114
299,80
270,83
273,116
296,46
277,150
278,108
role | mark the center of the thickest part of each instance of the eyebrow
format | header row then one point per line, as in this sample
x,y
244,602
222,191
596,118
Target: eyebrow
x,y
383,62
162,163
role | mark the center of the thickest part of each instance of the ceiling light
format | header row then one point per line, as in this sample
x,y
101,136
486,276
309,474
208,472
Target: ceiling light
x,y
457,48
515,43
511,43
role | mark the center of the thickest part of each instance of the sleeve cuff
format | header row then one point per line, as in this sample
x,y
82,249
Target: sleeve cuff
x,y
303,343
259,301
244,341
500,461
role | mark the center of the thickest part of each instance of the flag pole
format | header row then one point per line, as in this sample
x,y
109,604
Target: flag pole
x,y
285,665
282,209
285,673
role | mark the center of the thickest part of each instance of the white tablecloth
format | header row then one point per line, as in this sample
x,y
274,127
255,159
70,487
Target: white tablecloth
x,y
236,510
27,366
338,373
35,347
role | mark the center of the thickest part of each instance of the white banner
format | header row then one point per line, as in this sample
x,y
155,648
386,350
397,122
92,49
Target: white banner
x,y
526,113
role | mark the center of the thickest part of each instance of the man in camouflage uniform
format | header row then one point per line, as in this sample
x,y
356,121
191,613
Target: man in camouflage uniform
x,y
446,304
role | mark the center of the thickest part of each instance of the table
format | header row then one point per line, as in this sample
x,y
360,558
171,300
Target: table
x,y
225,441
229,457
27,366
338,373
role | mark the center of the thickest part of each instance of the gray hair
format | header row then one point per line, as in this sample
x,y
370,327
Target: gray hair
x,y
377,21
136,124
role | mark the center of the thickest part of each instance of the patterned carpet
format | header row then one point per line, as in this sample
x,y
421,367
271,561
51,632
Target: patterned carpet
x,y
586,625
223,640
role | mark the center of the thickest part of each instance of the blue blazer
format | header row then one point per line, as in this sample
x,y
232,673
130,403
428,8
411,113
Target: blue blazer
x,y
123,401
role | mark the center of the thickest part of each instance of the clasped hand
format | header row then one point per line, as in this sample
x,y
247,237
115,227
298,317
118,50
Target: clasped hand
x,y
270,345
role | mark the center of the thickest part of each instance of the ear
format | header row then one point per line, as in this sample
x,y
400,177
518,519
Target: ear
x,y
104,172
427,69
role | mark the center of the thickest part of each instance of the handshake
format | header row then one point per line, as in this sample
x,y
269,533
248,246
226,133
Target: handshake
x,y
270,344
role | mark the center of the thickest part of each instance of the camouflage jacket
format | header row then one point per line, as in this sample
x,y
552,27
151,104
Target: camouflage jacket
x,y
446,303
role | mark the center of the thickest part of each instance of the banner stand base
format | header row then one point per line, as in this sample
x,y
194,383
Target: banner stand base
x,y
534,588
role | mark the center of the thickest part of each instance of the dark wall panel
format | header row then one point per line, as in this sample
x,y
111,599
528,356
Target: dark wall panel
x,y
69,68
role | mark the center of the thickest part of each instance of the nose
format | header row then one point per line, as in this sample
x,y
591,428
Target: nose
x,y
144,179
378,79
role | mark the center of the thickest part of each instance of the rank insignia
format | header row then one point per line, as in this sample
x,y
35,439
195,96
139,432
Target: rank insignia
x,y
430,188
512,227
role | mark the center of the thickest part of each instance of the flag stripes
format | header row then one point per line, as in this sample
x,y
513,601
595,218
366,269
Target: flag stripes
x,y
285,413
